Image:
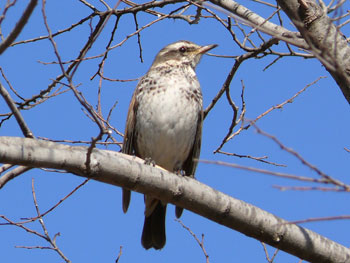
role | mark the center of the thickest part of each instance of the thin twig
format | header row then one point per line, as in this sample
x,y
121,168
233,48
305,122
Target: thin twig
x,y
279,106
325,178
12,223
20,120
13,174
9,84
19,26
257,170
56,205
318,219
41,221
119,254
270,260
199,242
259,159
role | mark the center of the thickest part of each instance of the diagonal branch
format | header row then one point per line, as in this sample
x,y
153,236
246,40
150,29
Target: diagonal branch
x,y
131,172
246,16
19,26
325,40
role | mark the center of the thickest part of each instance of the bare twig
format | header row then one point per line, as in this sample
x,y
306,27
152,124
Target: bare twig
x,y
257,170
80,22
78,142
19,26
260,159
138,37
20,120
270,260
119,254
324,177
56,205
13,174
199,242
9,84
5,167
279,106
223,88
47,236
12,223
318,219
310,188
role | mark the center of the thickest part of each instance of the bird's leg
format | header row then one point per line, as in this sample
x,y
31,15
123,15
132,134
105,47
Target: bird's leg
x,y
149,161
180,172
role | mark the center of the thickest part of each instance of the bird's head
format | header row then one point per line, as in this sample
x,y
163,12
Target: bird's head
x,y
182,51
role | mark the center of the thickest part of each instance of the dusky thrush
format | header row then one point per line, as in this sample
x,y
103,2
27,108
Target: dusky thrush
x,y
164,124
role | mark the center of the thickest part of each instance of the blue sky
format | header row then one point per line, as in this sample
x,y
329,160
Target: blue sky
x,y
91,223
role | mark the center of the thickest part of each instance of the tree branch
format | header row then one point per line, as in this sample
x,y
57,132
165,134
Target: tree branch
x,y
19,26
326,41
252,19
20,120
131,172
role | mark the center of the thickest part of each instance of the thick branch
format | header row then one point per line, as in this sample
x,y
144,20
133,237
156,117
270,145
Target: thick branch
x,y
260,23
324,38
131,172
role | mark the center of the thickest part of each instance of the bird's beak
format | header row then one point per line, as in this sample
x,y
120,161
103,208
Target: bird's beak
x,y
205,49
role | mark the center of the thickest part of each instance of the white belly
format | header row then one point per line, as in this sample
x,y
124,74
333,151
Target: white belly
x,y
166,123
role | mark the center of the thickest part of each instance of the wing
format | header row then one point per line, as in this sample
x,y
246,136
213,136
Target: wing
x,y
129,143
190,164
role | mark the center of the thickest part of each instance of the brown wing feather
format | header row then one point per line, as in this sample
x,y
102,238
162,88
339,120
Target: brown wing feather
x,y
190,165
128,143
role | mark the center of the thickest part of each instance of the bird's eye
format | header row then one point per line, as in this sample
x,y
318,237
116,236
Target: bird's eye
x,y
182,49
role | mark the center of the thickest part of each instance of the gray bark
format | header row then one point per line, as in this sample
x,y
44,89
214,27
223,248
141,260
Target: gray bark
x,y
326,41
131,172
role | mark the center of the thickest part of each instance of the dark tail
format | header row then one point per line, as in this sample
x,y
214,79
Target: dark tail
x,y
153,234
126,199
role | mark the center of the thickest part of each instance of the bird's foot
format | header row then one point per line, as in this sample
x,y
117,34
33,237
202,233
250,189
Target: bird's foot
x,y
180,173
149,161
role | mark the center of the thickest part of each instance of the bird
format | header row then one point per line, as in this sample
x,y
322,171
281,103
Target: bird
x,y
164,125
